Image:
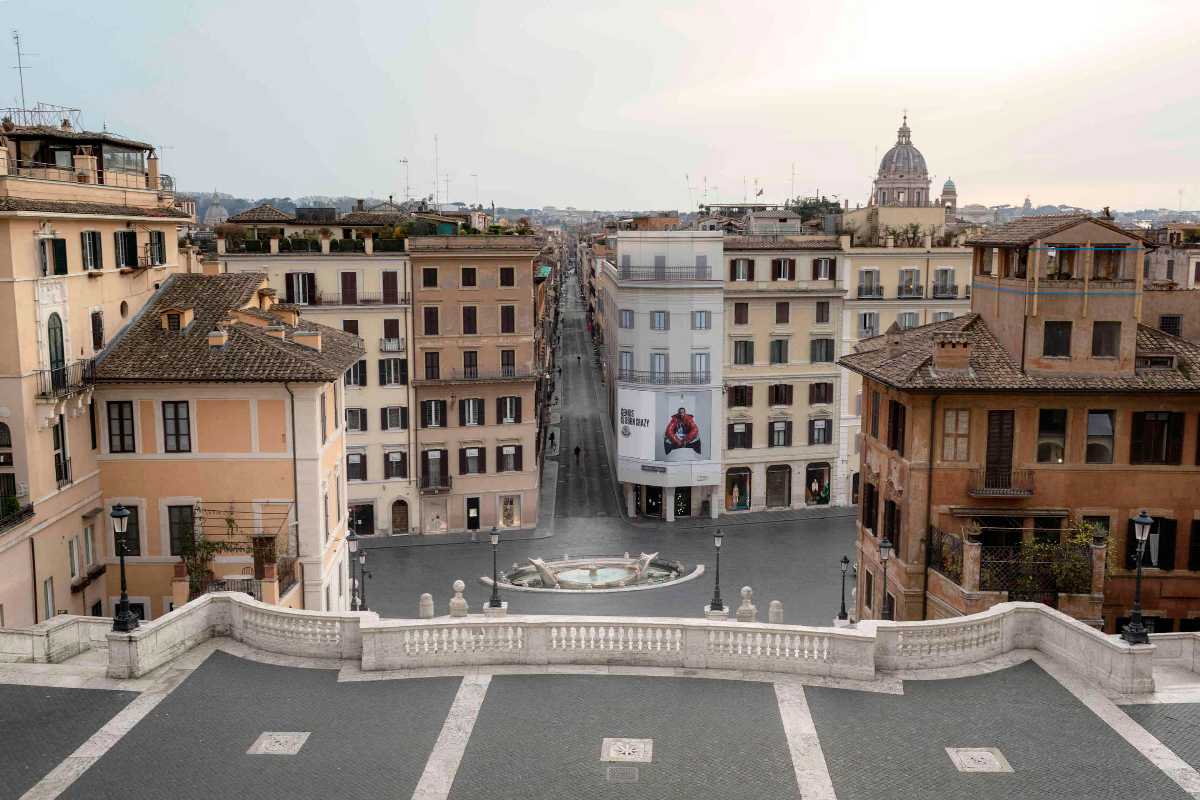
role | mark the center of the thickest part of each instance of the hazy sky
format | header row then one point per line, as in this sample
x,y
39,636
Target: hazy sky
x,y
611,104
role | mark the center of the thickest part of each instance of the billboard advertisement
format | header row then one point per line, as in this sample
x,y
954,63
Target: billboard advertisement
x,y
672,427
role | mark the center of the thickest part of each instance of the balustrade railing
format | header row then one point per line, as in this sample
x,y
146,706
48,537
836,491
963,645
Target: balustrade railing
x,y
991,482
662,378
66,380
358,298
692,273
392,346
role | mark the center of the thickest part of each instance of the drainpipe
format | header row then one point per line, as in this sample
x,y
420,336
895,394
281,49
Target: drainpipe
x,y
33,561
929,505
295,475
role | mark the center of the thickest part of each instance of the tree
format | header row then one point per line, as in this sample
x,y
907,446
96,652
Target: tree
x,y
812,207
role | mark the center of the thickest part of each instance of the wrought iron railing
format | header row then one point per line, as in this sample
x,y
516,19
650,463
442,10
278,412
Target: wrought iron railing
x,y
248,585
946,554
62,471
15,516
435,482
359,298
286,572
392,346
662,378
445,375
870,292
66,380
945,291
692,273
907,292
985,482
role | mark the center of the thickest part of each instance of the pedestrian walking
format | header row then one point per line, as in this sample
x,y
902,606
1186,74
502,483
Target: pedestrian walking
x,y
578,450
552,438
578,359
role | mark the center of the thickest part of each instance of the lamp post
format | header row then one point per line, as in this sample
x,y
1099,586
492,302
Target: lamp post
x,y
362,578
125,620
494,602
352,546
885,553
845,567
717,604
1135,632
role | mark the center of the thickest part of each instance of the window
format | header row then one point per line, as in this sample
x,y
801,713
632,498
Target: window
x,y
740,435
429,278
780,434
89,545
660,320
133,535
823,269
1171,323
822,312
1099,437
910,283
896,418
433,366
870,508
93,253
658,367
356,420
433,413
908,319
356,466
350,326
181,524
508,409
868,324
48,597
741,269
470,363
1194,548
779,394
942,316
700,366
508,276
741,313
868,283
508,458
508,319
956,434
97,331
470,322
177,427
395,464
1052,436
625,318
783,312
741,396
62,460
120,426
471,461
783,269
1156,438
868,589
324,420
470,411
743,352
158,248
820,431
73,557
625,365
393,418
701,320
875,414
357,374
891,524
1106,262
126,247
430,314
820,393
943,282
1106,339
1159,550
174,321
508,363
822,351
468,277
779,351
1056,340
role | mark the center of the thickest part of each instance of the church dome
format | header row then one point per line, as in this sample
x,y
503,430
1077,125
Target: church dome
x,y
903,160
948,187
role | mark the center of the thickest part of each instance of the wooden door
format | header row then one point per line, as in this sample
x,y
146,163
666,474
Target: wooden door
x,y
391,288
999,450
349,288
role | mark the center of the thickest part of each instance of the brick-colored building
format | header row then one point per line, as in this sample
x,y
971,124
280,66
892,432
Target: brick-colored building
x,y
987,438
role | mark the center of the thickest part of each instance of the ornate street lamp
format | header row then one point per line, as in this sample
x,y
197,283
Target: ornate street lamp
x,y
885,553
362,578
125,620
717,604
352,546
494,602
845,567
1135,632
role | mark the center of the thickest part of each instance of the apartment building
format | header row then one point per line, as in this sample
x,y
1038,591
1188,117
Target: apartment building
x,y
992,440
218,418
782,385
475,379
367,293
87,231
1171,274
660,313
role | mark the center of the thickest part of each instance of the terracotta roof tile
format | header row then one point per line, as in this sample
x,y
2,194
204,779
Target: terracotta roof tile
x,y
778,243
1027,230
90,209
264,213
436,243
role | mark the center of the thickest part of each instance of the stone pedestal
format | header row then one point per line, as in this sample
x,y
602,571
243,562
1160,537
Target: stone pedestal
x,y
971,563
324,245
502,611
458,604
425,607
775,612
220,245
709,613
747,611
368,245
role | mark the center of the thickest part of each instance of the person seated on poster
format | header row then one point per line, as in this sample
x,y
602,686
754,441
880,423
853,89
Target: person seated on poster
x,y
682,435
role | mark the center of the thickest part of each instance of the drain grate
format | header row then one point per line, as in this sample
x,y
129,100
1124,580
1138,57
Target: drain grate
x,y
622,774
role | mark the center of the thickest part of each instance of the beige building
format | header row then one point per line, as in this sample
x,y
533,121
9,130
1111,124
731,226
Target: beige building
x,y
87,231
218,419
783,302
475,381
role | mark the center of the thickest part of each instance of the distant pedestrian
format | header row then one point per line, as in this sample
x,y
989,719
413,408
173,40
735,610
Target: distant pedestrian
x,y
578,450
578,359
552,438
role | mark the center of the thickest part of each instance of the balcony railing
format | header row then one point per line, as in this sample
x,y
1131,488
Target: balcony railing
x,y
360,298
692,273
123,179
1000,483
867,333
662,378
435,483
456,374
392,346
908,292
66,380
870,292
62,471
286,572
945,291
16,516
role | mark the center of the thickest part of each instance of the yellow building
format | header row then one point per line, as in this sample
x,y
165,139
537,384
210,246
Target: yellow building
x,y
87,230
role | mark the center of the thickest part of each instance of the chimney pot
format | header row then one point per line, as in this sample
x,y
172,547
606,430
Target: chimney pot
x,y
276,331
217,337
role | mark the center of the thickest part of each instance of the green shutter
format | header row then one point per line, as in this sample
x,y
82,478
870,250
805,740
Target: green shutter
x,y
60,256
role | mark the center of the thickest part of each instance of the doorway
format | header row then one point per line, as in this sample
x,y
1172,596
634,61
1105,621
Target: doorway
x,y
816,484
779,486
737,489
362,519
472,513
654,501
58,362
999,450
399,517
683,501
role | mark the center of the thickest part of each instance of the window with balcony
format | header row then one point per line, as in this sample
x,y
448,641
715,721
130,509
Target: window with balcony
x,y
1106,262
1056,339
658,367
356,466
393,418
910,283
780,434
471,461
1052,436
956,434
701,320
943,283
300,288
822,351
433,365
820,393
508,363
743,352
508,276
356,420
470,320
93,252
470,411
429,278
126,248
820,431
740,396
509,458
868,324
783,312
120,426
430,318
625,365
779,351
660,320
1156,437
822,312
508,410
181,523
868,284
783,269
395,464
741,313
625,318
740,435
741,269
1100,437
1106,339
393,371
700,367
177,430
779,394
468,277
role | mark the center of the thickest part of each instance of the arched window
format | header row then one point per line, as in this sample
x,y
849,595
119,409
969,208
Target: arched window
x,y
5,436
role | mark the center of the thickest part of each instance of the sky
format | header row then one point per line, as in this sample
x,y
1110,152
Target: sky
x,y
634,105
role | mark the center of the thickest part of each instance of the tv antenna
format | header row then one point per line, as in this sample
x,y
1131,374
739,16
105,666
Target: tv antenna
x,y
475,175
20,67
404,161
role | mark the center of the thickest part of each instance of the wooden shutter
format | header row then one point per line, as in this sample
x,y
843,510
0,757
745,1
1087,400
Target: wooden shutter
x,y
483,461
499,458
404,417
482,412
97,330
310,286
1194,546
425,413
787,434
289,280
391,329
462,412
60,256
833,268
1166,543
1131,547
733,262
750,269
383,419
462,461
517,400
517,459
1136,434
391,290
383,372
816,269
499,410
1175,439
424,464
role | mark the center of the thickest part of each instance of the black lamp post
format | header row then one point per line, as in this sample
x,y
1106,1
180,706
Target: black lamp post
x,y
494,602
352,546
125,620
362,578
717,604
885,553
1135,632
845,566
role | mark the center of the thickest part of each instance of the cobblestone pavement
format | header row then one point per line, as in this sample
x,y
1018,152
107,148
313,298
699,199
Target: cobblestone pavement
x,y
894,746
40,726
1177,725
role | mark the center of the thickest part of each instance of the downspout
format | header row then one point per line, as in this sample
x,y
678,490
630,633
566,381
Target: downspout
x,y
929,505
33,562
295,478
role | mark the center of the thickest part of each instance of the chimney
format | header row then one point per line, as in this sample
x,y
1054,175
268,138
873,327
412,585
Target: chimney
x,y
266,298
218,337
275,331
951,350
310,339
894,340
358,205
210,267
1107,214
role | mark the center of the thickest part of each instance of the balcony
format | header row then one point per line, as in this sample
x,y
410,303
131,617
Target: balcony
x,y
945,291
870,292
12,513
692,273
465,374
867,333
392,346
66,380
119,178
910,292
435,483
663,378
62,471
358,299
1000,483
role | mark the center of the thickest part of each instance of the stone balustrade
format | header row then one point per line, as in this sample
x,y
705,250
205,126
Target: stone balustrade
x,y
1180,650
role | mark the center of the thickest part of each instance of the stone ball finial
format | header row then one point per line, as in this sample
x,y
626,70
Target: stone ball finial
x,y
775,612
747,612
458,604
747,594
459,587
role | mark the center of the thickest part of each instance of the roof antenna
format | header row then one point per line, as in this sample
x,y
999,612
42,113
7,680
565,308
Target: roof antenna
x,y
20,67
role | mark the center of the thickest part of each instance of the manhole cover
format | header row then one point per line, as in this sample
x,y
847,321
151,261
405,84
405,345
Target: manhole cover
x,y
622,774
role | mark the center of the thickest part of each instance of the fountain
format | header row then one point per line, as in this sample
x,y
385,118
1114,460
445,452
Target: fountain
x,y
595,573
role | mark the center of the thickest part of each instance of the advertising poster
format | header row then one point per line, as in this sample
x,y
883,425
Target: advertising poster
x,y
683,426
636,428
